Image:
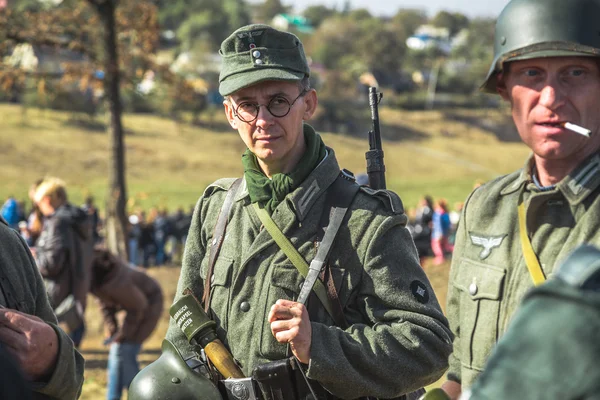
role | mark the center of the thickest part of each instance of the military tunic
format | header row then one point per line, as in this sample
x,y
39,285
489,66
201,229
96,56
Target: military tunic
x,y
489,276
22,288
398,338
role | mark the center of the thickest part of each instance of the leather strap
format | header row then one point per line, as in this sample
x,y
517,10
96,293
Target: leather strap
x,y
533,264
217,240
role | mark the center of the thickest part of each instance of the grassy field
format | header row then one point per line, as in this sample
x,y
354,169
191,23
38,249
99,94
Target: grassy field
x,y
96,355
168,164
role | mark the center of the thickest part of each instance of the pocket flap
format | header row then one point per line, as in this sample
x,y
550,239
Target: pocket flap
x,y
480,281
286,276
222,272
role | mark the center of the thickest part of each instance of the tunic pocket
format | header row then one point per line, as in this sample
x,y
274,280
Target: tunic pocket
x,y
284,282
481,287
220,287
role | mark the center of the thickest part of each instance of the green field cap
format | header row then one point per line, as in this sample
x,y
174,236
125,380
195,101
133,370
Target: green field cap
x,y
544,28
257,53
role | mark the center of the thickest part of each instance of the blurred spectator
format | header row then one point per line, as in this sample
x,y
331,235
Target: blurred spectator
x,y
134,234
10,212
21,211
180,224
35,217
440,231
63,255
131,303
162,230
146,242
92,212
422,228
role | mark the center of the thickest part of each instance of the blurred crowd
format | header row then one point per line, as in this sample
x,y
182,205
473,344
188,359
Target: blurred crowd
x,y
433,225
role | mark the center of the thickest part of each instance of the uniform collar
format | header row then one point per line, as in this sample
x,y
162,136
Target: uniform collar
x,y
576,186
305,195
303,198
582,181
521,179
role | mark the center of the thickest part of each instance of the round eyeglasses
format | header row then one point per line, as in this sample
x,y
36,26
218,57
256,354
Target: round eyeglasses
x,y
278,106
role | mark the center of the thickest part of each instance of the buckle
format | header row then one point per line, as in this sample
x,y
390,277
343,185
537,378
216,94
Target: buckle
x,y
347,175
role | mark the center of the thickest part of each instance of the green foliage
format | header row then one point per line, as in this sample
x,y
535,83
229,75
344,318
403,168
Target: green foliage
x,y
406,22
453,21
317,14
269,9
237,14
205,26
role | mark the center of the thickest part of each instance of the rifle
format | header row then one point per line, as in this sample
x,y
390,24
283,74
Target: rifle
x,y
375,166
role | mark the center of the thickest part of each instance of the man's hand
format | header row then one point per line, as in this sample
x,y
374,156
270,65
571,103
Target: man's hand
x,y
30,341
290,324
452,389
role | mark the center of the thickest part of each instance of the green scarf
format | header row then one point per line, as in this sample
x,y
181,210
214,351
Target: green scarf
x,y
270,192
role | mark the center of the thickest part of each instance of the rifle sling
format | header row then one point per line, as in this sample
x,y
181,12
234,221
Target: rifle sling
x,y
311,273
217,239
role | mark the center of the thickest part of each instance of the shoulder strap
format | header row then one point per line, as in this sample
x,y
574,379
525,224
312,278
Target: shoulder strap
x,y
311,273
217,239
533,264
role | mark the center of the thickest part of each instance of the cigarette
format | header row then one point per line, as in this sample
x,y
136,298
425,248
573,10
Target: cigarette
x,y
577,129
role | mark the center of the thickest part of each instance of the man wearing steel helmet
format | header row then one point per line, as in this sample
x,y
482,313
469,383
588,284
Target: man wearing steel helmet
x,y
516,229
392,337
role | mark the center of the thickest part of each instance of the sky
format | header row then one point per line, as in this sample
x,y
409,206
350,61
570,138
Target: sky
x,y
471,8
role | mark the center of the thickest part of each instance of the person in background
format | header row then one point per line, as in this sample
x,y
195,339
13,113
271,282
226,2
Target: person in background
x,y
63,251
440,231
10,212
422,228
90,209
131,303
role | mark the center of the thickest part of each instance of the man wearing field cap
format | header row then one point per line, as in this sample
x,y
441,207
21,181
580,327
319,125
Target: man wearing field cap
x,y
516,229
372,325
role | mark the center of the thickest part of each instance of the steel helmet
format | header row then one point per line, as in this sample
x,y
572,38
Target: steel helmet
x,y
544,28
170,378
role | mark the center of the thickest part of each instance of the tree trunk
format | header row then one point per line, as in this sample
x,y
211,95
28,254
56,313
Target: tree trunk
x,y
116,219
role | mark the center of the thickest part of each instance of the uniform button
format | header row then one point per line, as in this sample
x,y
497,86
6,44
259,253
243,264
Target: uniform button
x,y
473,289
259,61
256,53
245,306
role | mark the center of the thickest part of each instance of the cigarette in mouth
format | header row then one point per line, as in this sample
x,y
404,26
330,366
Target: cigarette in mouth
x,y
577,129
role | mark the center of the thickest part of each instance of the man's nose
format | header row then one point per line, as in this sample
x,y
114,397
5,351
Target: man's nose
x,y
552,96
264,117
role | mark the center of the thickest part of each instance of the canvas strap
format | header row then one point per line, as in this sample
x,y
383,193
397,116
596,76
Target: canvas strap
x,y
217,240
533,264
292,254
311,273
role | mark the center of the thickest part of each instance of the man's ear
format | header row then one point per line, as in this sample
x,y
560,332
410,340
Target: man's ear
x,y
310,101
501,86
233,121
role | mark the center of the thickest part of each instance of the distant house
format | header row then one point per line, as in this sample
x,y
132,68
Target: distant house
x,y
428,36
287,22
43,59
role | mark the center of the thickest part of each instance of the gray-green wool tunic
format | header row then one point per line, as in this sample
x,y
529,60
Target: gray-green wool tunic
x,y
398,339
489,276
22,289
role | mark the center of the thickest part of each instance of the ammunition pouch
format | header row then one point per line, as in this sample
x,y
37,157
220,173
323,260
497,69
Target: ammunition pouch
x,y
284,379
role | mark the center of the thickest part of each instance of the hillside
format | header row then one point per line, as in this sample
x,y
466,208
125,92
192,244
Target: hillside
x,y
169,164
